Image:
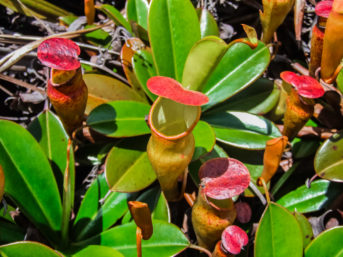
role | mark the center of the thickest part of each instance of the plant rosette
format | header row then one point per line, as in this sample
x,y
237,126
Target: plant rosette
x,y
232,241
213,211
66,89
172,118
300,101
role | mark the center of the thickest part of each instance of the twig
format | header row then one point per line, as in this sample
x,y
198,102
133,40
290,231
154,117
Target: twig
x,y
322,133
201,249
21,83
257,193
6,91
106,70
13,57
14,118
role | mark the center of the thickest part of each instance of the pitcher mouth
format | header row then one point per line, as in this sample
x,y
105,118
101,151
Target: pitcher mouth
x,y
171,120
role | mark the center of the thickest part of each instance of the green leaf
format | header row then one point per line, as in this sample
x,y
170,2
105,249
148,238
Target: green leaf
x,y
208,25
120,119
137,11
103,89
157,204
39,8
259,98
173,29
128,168
194,166
303,148
318,196
98,251
201,61
94,217
328,162
10,232
306,228
241,129
167,240
203,144
239,68
328,243
29,178
28,249
113,14
49,132
98,37
143,66
278,234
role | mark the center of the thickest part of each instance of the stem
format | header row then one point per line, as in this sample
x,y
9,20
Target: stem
x,y
189,199
201,249
139,241
257,193
265,189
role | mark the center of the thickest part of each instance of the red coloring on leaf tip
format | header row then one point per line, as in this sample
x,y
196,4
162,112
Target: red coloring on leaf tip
x,y
306,86
59,53
171,89
323,8
233,239
224,178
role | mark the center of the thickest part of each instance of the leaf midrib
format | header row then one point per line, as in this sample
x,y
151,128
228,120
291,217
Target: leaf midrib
x,y
233,71
30,189
128,170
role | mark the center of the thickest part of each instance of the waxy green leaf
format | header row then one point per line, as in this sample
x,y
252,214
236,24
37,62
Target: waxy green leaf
x,y
315,198
10,232
306,228
39,8
103,89
49,132
28,249
173,29
98,251
328,243
208,25
29,179
167,240
202,61
328,162
143,66
113,14
241,129
239,68
128,168
120,119
278,234
203,144
137,11
157,204
95,217
259,98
